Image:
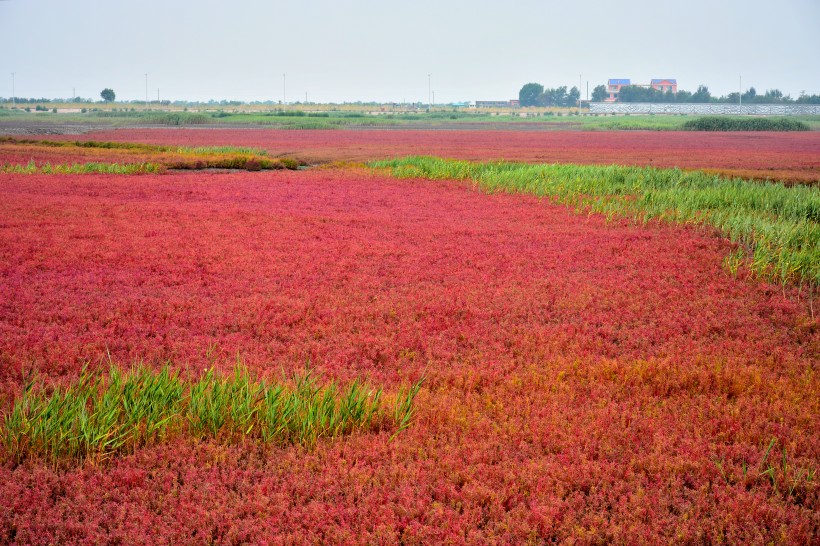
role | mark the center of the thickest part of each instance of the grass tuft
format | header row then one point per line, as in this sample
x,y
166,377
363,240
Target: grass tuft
x,y
100,415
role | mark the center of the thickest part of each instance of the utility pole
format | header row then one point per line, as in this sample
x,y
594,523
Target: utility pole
x,y
13,94
429,102
579,94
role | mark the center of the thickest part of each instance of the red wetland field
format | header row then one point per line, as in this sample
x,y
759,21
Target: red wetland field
x,y
586,380
792,157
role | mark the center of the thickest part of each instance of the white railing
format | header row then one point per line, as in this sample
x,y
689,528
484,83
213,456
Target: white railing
x,y
703,108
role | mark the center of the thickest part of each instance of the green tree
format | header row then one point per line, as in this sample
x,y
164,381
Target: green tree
x,y
573,96
701,95
684,96
108,95
599,94
530,94
555,97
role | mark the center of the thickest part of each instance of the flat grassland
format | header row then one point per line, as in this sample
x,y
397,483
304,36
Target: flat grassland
x,y
586,379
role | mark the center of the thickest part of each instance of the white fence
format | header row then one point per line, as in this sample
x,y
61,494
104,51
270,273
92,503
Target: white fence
x,y
703,108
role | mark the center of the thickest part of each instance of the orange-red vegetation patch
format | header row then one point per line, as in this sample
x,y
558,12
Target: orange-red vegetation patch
x,y
587,381
793,157
22,152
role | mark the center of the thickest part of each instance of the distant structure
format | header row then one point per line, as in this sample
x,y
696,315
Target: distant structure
x,y
614,87
661,84
512,103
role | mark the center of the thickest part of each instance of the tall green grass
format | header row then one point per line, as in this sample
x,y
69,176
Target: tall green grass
x,y
100,415
82,168
777,226
729,123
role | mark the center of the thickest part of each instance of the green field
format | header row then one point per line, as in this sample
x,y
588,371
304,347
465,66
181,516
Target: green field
x,y
325,118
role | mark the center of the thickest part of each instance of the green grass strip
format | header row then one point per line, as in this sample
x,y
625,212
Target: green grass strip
x,y
776,225
100,415
728,123
83,168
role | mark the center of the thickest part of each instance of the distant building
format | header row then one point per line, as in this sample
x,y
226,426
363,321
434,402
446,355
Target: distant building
x,y
664,85
512,103
614,87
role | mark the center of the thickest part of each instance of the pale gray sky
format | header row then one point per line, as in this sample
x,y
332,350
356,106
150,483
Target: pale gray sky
x,y
380,50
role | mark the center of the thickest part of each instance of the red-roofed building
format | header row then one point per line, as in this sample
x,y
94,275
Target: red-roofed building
x,y
662,84
665,85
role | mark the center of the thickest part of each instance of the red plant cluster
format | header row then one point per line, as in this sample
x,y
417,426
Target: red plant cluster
x,y
793,157
12,153
587,381
26,151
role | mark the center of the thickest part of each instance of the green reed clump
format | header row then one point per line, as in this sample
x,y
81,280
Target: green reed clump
x,y
82,168
221,150
779,226
730,123
100,415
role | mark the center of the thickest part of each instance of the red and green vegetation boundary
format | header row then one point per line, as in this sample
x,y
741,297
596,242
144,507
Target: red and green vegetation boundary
x,y
789,157
98,416
778,227
30,156
587,379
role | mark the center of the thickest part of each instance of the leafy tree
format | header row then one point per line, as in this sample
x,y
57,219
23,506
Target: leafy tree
x,y
108,95
684,96
530,94
749,96
555,97
701,95
573,96
599,93
807,99
635,93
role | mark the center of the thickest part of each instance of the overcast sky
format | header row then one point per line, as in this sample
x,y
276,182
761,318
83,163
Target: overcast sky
x,y
337,51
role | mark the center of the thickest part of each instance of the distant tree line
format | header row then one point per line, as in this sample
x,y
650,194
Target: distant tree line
x,y
636,93
24,100
534,94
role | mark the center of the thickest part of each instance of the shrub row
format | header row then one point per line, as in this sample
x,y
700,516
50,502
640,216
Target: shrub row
x,y
725,123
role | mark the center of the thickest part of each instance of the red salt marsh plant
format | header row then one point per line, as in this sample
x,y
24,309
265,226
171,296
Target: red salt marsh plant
x,y
778,226
790,157
587,381
29,156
